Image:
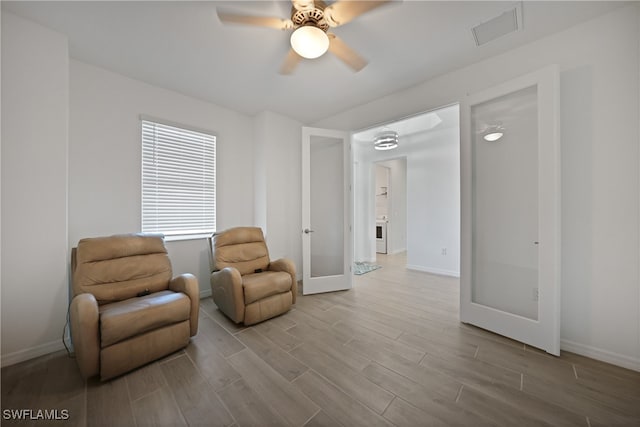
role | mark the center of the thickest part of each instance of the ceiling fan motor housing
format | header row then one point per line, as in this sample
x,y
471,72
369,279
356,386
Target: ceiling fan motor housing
x,y
310,16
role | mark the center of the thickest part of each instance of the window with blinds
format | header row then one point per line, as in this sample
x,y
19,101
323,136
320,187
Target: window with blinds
x,y
178,181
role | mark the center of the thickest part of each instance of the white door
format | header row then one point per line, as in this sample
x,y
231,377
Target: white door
x,y
326,207
510,190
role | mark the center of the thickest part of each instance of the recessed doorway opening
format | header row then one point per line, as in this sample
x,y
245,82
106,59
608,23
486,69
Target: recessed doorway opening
x,y
407,199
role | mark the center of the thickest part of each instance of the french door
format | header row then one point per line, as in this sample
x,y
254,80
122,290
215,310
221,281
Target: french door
x,y
326,207
510,222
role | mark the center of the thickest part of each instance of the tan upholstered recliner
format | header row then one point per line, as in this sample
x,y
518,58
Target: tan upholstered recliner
x,y
127,309
245,284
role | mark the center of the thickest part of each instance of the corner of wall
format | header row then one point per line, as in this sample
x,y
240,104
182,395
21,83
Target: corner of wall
x,y
35,66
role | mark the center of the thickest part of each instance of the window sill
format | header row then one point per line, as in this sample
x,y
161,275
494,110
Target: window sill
x,y
179,237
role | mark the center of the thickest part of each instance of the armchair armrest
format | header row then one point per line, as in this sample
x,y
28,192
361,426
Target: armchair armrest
x,y
85,333
286,265
188,284
227,292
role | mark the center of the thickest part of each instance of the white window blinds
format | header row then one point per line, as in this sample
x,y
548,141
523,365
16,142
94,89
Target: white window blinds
x,y
178,180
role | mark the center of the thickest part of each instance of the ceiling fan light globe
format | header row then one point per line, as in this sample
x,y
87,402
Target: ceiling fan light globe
x,y
309,42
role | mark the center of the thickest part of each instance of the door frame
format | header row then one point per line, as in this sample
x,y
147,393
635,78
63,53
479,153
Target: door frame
x,y
543,333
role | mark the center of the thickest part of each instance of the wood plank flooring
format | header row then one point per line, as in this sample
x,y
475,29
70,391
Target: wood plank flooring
x,y
389,352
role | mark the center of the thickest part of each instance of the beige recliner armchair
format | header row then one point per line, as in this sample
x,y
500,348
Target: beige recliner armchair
x,y
245,284
127,309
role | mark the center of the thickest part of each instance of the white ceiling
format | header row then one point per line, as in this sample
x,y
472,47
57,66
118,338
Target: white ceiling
x,y
182,46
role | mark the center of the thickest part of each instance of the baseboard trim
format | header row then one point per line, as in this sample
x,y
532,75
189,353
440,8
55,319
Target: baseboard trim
x,y
397,251
205,293
601,355
433,270
31,353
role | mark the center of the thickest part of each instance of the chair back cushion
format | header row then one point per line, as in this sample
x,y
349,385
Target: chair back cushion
x,y
119,267
243,248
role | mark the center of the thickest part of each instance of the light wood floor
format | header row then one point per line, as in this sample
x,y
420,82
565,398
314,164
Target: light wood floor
x,y
389,352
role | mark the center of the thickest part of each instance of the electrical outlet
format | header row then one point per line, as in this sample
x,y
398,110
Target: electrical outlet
x,y
444,251
535,294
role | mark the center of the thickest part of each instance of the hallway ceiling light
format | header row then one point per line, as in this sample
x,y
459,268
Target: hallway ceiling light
x,y
387,140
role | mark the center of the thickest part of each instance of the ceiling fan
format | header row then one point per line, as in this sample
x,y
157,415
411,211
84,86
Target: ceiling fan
x,y
310,21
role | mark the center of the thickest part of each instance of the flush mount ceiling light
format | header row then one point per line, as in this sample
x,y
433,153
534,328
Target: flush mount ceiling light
x,y
387,140
309,42
493,133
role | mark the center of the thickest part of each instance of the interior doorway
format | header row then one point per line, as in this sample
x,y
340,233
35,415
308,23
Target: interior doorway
x,y
390,199
419,210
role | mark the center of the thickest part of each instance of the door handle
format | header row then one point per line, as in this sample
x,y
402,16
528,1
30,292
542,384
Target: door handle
x,y
307,231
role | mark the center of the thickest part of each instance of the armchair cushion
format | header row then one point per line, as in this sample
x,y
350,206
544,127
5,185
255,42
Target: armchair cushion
x,y
125,319
261,285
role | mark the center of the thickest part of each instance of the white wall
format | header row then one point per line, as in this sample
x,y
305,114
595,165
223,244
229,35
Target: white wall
x,y
364,239
105,159
261,131
600,66
277,162
397,230
35,115
433,205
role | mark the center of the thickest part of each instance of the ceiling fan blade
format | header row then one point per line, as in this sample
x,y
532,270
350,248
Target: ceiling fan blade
x,y
343,11
345,53
290,62
259,21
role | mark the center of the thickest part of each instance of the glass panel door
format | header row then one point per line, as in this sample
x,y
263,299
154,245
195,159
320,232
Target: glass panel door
x,y
326,207
505,203
510,218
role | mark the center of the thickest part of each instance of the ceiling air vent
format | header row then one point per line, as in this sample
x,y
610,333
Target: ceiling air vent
x,y
506,23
